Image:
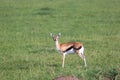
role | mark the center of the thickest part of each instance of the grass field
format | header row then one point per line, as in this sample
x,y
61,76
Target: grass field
x,y
27,51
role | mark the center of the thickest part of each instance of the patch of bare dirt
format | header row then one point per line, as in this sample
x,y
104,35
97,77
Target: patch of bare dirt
x,y
67,78
106,78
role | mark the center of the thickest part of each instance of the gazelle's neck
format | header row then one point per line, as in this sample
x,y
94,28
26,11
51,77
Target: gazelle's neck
x,y
57,45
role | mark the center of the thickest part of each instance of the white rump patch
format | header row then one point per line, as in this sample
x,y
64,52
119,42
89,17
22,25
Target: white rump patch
x,y
81,50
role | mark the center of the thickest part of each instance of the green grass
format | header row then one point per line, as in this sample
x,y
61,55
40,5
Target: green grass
x,y
27,51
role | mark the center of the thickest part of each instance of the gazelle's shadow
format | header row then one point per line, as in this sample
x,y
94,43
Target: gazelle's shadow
x,y
53,65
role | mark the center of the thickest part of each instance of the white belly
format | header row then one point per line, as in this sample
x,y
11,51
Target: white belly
x,y
70,51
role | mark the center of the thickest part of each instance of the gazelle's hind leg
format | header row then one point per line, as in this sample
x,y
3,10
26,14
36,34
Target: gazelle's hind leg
x,y
83,57
81,54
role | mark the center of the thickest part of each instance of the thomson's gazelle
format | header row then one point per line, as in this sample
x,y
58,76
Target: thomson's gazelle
x,y
70,47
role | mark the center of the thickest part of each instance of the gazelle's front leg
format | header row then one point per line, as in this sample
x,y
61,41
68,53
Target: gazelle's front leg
x,y
63,59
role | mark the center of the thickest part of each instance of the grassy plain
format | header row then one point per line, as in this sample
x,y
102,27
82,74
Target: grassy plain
x,y
27,52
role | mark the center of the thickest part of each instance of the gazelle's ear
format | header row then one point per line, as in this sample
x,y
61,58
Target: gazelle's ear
x,y
59,34
51,34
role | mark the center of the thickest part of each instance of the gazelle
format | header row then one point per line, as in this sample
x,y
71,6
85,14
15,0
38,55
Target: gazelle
x,y
70,47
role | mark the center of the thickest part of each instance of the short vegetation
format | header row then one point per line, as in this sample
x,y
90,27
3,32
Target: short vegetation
x,y
27,52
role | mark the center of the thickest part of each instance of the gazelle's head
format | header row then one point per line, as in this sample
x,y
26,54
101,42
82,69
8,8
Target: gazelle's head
x,y
55,37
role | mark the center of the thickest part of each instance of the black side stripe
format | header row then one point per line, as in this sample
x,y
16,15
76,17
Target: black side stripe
x,y
78,48
71,48
68,49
